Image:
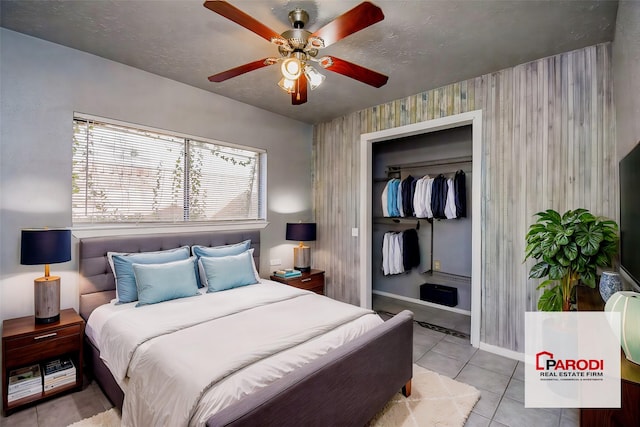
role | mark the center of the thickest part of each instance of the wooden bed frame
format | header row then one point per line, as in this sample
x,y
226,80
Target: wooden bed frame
x,y
347,386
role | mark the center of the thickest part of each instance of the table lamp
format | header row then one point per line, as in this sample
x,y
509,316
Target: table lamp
x,y
302,232
46,246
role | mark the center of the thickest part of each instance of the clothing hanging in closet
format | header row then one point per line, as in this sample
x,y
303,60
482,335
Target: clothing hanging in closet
x,y
400,251
426,197
460,185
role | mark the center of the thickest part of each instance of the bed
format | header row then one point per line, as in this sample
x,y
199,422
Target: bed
x,y
346,385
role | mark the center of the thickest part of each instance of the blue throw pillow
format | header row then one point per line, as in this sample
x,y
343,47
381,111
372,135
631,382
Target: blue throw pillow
x,y
228,272
122,265
164,282
217,251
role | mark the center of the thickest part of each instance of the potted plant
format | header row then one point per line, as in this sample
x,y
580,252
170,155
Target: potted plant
x,y
570,248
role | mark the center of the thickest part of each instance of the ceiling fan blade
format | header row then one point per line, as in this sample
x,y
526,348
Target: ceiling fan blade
x,y
300,95
361,16
234,72
354,71
239,17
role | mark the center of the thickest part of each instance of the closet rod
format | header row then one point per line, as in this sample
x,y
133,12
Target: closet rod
x,y
441,162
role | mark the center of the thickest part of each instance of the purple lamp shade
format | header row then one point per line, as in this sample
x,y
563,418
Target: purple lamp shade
x,y
45,246
301,232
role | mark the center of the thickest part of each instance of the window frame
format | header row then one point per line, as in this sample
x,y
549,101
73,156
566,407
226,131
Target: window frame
x,y
88,229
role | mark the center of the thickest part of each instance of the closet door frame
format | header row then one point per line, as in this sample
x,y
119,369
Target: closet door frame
x,y
473,118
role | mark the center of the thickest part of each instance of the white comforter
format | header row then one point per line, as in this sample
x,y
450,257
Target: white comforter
x,y
180,361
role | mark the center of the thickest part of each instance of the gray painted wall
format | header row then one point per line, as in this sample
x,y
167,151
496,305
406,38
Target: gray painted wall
x,y
451,238
43,84
626,70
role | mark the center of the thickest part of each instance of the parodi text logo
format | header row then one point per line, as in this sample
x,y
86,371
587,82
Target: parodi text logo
x,y
551,368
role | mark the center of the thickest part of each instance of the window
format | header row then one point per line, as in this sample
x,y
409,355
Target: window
x,y
125,174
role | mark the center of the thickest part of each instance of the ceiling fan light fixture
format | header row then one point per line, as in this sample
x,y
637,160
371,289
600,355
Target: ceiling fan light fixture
x,y
315,42
287,85
325,61
291,68
314,77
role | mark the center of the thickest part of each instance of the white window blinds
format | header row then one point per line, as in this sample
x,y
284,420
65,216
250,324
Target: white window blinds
x,y
126,175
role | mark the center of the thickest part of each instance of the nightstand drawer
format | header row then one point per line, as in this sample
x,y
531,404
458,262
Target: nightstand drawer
x,y
34,347
308,283
310,280
42,337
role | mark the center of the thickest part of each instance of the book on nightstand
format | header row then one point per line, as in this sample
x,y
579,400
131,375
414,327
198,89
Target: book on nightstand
x,y
24,382
287,273
58,373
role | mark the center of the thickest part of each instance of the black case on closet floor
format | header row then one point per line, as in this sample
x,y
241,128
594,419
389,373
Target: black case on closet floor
x,y
440,294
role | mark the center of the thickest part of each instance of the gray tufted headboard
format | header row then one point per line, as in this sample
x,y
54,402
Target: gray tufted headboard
x,y
97,285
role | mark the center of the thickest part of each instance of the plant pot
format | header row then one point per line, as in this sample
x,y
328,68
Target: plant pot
x,y
610,283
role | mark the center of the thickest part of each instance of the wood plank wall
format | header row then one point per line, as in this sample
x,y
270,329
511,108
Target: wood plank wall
x,y
549,142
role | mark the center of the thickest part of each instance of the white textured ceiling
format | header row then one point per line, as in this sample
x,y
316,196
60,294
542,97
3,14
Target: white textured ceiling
x,y
420,45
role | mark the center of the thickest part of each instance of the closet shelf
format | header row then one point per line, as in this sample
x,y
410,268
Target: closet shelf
x,y
448,276
460,163
399,220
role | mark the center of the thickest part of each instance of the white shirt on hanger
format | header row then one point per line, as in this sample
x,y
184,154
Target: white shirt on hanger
x,y
385,208
428,213
450,205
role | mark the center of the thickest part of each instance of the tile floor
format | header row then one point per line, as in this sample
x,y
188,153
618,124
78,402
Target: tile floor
x,y
61,411
500,381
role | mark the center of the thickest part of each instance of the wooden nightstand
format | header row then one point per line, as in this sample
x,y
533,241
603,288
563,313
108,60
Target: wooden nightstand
x,y
311,281
24,343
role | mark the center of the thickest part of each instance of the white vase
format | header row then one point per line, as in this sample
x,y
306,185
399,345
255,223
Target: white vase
x,y
628,305
610,283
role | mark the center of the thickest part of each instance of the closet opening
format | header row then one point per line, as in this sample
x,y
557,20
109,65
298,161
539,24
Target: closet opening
x,y
420,222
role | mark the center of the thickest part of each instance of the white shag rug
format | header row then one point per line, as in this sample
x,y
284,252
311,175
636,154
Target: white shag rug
x,y
435,400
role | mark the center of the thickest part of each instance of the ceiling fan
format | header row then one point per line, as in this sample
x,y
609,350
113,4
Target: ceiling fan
x,y
298,48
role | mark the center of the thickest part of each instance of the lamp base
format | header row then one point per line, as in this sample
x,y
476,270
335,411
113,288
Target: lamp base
x,y
46,293
47,320
302,258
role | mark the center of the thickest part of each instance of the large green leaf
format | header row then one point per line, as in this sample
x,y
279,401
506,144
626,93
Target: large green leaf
x,y
588,278
536,229
571,251
562,239
551,249
556,272
565,262
608,223
547,283
539,270
533,250
602,259
589,239
568,217
549,216
551,300
586,217
581,263
555,228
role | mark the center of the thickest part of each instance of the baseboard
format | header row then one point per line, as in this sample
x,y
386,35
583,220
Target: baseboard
x,y
502,351
420,302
